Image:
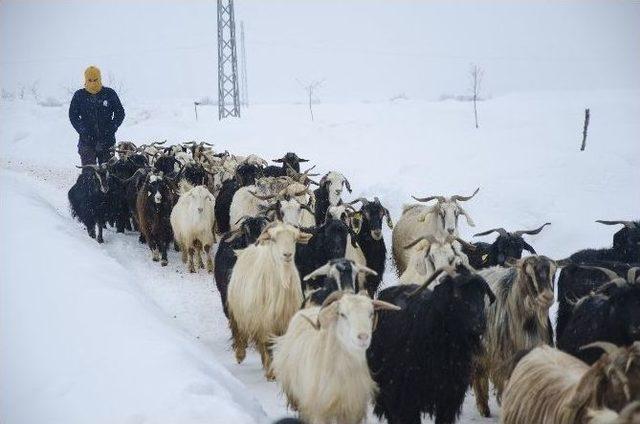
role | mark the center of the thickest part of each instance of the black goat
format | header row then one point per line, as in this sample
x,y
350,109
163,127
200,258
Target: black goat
x,y
422,356
119,211
610,315
508,244
329,241
329,194
370,240
167,164
153,204
289,160
195,174
225,258
89,198
336,275
246,174
578,281
626,246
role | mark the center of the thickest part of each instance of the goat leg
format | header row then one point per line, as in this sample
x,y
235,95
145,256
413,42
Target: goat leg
x,y
101,225
481,390
207,251
191,252
239,341
163,251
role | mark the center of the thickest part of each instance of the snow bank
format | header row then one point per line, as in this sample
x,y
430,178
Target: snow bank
x,y
79,340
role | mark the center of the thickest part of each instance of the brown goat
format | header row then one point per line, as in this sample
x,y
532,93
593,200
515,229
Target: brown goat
x,y
550,386
153,205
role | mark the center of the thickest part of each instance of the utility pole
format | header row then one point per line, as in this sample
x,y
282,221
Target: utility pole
x,y
228,99
244,89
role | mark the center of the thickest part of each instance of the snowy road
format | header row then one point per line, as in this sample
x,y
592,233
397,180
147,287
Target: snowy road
x,y
100,333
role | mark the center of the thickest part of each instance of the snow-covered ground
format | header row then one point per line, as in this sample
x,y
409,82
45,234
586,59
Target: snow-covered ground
x,y
100,333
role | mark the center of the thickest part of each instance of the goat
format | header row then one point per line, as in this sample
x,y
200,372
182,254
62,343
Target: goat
x,y
550,386
611,315
327,242
289,160
626,246
506,245
439,220
225,259
518,320
287,209
337,275
429,254
369,238
193,222
88,198
264,291
578,281
422,356
245,175
320,361
329,194
153,204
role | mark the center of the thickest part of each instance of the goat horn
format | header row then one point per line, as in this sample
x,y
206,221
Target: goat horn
x,y
429,198
628,224
241,218
380,305
365,270
94,167
464,198
611,275
323,270
232,235
430,280
608,348
500,231
470,246
362,200
531,232
268,197
347,185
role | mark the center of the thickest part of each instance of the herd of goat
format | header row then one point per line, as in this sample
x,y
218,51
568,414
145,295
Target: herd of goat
x,y
299,272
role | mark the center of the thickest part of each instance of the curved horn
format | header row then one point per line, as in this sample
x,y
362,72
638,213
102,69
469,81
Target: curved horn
x,y
333,297
347,185
365,270
468,245
429,198
628,224
242,218
608,348
429,238
323,270
380,305
430,280
94,167
464,198
532,232
362,200
500,231
611,275
268,197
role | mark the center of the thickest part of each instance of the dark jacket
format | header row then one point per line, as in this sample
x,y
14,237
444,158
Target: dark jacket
x,y
96,117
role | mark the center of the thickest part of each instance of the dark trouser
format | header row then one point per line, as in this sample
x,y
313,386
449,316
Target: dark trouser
x,y
88,155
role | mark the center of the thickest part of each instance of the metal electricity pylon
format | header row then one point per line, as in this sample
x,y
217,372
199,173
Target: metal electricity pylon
x,y
228,94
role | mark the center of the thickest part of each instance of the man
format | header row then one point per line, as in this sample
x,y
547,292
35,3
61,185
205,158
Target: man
x,y
96,113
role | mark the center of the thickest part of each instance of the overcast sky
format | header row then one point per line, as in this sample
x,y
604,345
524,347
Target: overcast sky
x,y
363,50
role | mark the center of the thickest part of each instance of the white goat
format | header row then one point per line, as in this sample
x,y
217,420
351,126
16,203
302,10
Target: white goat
x,y
439,221
264,290
427,254
320,362
193,223
333,182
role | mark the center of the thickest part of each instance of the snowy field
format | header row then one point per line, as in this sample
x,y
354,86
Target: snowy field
x,y
100,333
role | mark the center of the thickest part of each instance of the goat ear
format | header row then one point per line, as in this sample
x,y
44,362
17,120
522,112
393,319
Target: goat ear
x,y
356,222
466,215
529,248
277,160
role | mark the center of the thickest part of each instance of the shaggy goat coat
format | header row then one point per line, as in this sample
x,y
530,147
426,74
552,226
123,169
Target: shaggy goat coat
x,y
322,379
548,386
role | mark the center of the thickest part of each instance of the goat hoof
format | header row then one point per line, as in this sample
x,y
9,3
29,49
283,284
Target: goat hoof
x,y
240,356
155,259
164,262
100,240
270,376
485,412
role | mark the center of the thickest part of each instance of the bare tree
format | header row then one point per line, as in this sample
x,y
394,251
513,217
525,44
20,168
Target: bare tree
x,y
311,89
475,75
587,115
